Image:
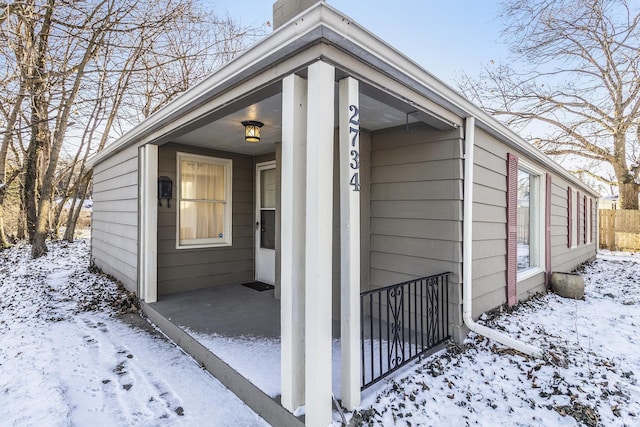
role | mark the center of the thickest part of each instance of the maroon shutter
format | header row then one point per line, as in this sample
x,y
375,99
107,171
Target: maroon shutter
x,y
584,220
569,217
547,231
593,220
512,229
577,218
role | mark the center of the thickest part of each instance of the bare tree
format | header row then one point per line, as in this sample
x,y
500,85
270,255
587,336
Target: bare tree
x,y
574,84
82,67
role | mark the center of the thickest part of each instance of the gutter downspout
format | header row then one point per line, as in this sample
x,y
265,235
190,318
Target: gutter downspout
x,y
467,242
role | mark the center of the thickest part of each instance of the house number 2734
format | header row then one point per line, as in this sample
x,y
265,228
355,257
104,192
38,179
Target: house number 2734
x,y
354,162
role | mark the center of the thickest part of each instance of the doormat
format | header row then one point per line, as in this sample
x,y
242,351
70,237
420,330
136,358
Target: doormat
x,y
258,286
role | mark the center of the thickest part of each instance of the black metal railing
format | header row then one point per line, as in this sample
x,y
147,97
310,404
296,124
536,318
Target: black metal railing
x,y
398,323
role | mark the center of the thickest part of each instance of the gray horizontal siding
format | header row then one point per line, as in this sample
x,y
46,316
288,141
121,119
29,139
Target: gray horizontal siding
x,y
114,266
531,286
104,216
187,269
426,171
114,225
487,301
416,207
116,166
489,224
434,190
489,228
565,258
400,245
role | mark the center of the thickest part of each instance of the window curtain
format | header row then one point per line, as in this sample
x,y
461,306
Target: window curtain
x,y
202,195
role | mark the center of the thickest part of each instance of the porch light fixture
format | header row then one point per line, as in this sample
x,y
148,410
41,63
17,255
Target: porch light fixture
x,y
252,130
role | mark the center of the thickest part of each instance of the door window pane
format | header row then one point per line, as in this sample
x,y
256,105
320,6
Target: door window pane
x,y
268,188
267,229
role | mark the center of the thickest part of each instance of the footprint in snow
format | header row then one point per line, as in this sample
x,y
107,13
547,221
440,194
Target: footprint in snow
x,y
119,369
90,341
125,351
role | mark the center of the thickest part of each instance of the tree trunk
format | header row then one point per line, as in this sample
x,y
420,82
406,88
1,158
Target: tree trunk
x,y
39,244
40,140
73,219
628,195
31,189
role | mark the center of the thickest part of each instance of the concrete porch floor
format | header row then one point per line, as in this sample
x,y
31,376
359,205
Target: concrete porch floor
x,y
230,311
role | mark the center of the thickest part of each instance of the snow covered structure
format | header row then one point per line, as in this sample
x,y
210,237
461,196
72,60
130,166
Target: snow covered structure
x,y
369,172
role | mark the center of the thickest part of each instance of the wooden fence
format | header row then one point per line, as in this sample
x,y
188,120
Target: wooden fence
x,y
620,230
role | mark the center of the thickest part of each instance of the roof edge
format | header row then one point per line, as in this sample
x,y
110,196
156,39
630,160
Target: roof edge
x,y
341,31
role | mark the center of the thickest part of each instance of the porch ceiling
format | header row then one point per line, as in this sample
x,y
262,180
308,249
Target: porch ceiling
x,y
227,133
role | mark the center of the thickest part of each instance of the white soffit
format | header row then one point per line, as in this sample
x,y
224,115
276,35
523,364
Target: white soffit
x,y
227,133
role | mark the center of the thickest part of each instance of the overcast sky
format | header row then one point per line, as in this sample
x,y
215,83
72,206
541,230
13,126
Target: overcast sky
x,y
445,37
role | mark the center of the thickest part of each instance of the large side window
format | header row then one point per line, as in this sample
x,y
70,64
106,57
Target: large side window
x,y
204,201
529,219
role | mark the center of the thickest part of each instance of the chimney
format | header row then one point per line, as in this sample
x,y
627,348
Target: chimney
x,y
284,10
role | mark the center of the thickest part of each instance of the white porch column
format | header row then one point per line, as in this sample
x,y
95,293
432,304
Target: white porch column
x,y
292,238
319,216
148,232
349,120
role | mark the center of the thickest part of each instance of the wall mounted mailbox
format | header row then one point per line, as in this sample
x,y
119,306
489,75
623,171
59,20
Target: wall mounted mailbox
x,y
165,187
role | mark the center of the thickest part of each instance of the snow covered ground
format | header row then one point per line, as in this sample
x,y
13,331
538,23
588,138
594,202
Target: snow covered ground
x,y
589,375
66,359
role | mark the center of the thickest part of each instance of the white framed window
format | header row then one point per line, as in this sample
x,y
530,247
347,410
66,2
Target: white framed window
x,y
204,201
530,231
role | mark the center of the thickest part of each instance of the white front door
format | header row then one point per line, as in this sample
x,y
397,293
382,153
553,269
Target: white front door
x,y
266,222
